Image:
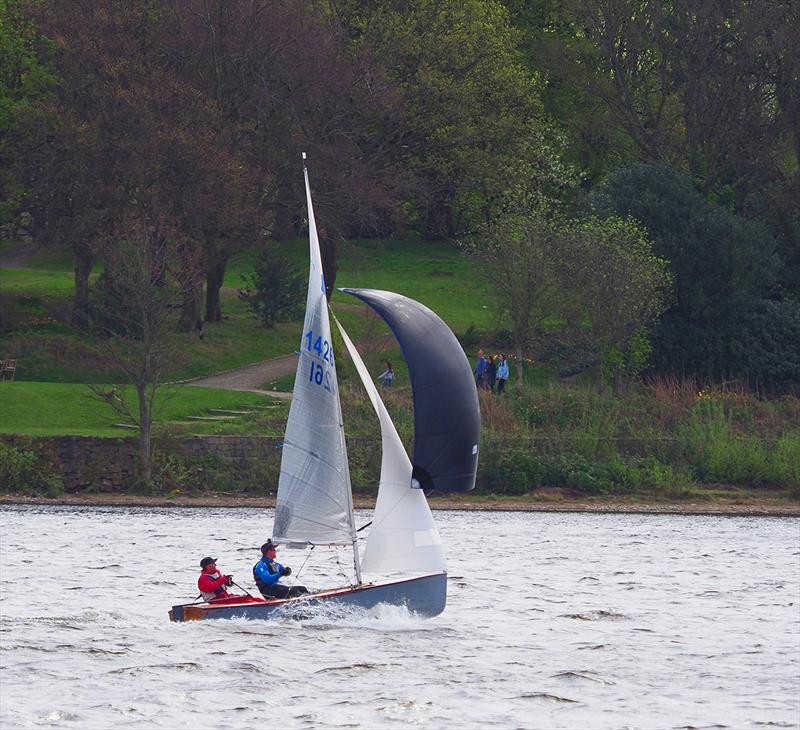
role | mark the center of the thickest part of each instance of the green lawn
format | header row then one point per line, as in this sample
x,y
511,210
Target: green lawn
x,y
38,303
36,283
57,409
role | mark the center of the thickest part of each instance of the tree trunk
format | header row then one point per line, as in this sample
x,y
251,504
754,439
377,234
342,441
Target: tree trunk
x,y
285,225
145,467
191,310
84,263
519,364
214,277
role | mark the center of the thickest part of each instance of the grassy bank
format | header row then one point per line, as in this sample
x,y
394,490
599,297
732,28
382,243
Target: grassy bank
x,y
61,409
37,303
656,441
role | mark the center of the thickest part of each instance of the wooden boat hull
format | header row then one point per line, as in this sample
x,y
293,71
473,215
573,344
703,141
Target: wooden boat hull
x,y
425,595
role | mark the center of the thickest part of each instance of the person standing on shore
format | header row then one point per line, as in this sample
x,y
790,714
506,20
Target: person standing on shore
x,y
387,376
491,373
502,373
480,370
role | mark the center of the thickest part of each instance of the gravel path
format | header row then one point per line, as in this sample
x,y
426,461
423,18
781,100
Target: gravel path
x,y
251,378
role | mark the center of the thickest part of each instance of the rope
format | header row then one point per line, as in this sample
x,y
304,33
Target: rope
x,y
341,569
300,569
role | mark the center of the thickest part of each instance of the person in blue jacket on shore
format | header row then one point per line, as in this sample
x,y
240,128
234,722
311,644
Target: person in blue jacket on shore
x,y
267,572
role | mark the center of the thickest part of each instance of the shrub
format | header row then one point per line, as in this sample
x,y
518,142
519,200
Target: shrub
x,y
23,471
275,290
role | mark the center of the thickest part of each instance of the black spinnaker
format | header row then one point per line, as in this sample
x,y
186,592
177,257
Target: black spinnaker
x,y
447,418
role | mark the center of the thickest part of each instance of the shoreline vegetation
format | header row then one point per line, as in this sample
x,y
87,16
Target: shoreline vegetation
x,y
773,503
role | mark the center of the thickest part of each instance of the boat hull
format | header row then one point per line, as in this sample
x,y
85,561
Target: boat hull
x,y
425,595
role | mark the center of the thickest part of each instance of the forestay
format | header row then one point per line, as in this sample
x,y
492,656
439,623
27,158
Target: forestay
x,y
403,537
314,503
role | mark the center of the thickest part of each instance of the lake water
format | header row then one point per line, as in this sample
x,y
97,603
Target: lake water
x,y
553,621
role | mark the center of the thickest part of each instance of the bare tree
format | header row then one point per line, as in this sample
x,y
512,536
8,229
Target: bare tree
x,y
133,318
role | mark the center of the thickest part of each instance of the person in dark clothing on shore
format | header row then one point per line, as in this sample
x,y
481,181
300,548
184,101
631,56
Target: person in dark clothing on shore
x,y
491,373
267,572
480,370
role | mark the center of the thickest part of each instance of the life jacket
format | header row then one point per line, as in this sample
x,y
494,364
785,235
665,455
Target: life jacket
x,y
272,568
217,593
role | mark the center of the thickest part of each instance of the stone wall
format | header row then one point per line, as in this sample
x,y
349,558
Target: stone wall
x,y
109,464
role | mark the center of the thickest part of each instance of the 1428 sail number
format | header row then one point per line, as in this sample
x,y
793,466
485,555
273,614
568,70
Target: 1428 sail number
x,y
318,373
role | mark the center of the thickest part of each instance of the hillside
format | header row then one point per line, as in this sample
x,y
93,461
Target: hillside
x,y
658,440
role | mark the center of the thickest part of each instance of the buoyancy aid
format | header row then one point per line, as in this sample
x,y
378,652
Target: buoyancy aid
x,y
218,592
272,567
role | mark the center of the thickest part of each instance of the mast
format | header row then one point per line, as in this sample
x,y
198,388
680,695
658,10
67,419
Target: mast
x,y
343,445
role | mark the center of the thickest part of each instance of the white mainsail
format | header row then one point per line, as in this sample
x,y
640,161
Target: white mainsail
x,y
315,503
403,537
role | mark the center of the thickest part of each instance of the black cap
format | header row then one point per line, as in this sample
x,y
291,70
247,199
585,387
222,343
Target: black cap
x,y
207,561
268,545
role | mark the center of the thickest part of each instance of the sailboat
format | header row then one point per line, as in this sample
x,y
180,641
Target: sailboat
x,y
403,561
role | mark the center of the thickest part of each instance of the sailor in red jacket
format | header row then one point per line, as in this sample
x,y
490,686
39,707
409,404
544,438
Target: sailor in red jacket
x,y
211,582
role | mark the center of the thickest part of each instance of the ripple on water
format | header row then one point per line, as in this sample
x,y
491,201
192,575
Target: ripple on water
x,y
597,615
152,668
546,696
582,674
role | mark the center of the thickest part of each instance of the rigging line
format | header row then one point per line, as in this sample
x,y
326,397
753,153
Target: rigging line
x,y
300,569
341,570
397,504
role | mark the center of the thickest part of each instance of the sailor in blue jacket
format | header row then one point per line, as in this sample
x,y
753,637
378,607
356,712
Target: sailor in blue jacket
x,y
267,572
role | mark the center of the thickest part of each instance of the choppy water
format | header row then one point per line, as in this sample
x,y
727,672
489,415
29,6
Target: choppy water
x,y
553,621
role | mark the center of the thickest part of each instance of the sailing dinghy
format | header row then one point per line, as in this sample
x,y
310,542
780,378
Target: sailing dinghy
x,y
403,561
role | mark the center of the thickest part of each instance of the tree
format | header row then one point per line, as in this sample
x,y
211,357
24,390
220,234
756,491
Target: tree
x,y
125,129
275,292
22,80
599,276
281,75
520,254
470,109
706,86
725,269
132,317
620,284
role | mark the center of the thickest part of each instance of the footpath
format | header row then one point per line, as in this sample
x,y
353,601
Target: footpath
x,y
251,378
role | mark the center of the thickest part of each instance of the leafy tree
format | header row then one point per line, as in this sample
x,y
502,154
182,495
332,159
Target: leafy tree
x,y
23,79
275,291
708,87
471,110
600,276
282,76
124,131
521,255
620,286
725,268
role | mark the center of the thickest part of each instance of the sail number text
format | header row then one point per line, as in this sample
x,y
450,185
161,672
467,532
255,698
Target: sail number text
x,y
318,373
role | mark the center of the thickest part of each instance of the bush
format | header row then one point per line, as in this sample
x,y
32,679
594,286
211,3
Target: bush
x,y
275,290
717,453
22,471
723,322
517,472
